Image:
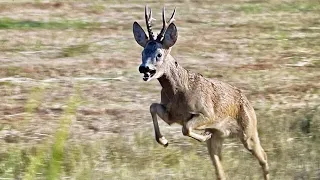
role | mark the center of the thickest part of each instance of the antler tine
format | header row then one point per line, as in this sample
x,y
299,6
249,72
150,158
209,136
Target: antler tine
x,y
165,23
148,22
172,17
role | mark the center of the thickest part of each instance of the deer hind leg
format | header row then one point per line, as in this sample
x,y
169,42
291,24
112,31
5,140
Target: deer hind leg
x,y
160,110
254,146
250,140
195,122
214,147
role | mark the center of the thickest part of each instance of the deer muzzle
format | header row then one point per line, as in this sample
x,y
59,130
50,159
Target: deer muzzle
x,y
147,72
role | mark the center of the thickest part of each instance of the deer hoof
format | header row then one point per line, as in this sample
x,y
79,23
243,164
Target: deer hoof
x,y
206,135
163,141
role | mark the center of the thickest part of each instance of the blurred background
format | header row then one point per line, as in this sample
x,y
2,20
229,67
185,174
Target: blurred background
x,y
73,104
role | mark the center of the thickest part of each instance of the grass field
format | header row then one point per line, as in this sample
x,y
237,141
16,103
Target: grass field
x,y
73,104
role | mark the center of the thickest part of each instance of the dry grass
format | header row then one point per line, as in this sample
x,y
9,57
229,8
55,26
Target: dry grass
x,y
53,51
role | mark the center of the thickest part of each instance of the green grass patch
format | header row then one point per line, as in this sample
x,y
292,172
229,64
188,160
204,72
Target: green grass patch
x,y
262,7
36,161
249,8
6,83
75,50
12,70
57,155
52,167
297,6
97,8
34,100
8,23
11,163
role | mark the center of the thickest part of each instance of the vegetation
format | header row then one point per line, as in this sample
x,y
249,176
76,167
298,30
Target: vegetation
x,y
73,105
7,23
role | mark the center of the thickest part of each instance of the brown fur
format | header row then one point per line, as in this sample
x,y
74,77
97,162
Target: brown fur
x,y
224,110
197,103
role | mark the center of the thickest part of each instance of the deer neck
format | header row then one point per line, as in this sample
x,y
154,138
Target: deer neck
x,y
175,77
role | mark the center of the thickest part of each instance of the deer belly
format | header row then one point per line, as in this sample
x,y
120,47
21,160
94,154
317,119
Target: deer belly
x,y
177,114
176,118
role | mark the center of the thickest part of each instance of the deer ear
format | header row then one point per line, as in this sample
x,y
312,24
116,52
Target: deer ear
x,y
139,34
171,36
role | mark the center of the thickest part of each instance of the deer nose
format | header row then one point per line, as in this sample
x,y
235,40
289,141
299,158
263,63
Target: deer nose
x,y
144,69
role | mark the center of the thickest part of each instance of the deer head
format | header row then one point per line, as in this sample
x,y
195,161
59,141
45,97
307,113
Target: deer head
x,y
155,50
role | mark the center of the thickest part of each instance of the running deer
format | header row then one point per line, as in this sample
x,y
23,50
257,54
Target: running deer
x,y
217,109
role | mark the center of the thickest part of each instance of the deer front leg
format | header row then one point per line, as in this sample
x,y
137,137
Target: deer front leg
x,y
160,110
193,123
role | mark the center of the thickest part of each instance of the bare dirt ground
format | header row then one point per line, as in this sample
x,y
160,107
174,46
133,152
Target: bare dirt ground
x,y
53,51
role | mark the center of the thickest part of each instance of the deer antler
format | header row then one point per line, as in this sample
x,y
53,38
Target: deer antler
x,y
148,22
164,23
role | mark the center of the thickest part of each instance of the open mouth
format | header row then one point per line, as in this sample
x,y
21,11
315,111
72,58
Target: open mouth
x,y
148,75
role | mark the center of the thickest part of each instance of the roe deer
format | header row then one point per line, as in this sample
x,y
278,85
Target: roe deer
x,y
191,100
